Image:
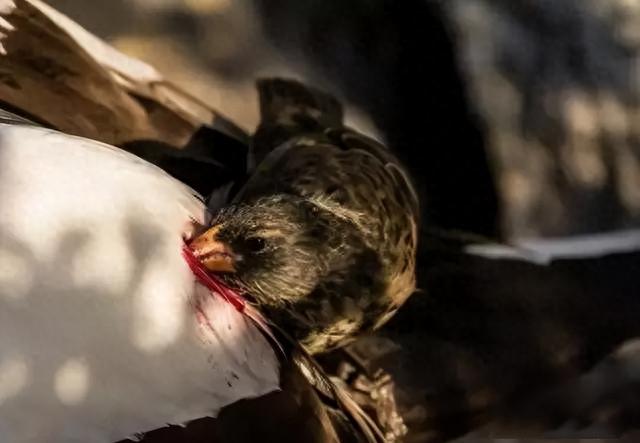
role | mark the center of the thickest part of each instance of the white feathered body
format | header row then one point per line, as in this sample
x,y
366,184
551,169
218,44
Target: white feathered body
x,y
99,338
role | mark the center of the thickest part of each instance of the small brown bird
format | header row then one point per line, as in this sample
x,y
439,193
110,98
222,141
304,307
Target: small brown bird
x,y
323,235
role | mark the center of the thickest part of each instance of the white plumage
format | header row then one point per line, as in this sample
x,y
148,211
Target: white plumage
x,y
98,335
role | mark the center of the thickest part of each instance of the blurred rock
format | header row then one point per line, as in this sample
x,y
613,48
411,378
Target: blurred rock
x,y
557,83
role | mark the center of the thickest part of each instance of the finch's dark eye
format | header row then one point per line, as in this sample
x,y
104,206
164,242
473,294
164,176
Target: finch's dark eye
x,y
255,244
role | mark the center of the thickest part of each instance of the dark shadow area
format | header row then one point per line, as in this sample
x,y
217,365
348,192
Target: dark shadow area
x,y
511,343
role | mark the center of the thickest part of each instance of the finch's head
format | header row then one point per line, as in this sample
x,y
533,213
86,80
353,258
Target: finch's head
x,y
277,249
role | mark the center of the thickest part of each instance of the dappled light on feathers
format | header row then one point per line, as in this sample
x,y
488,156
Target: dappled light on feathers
x,y
99,341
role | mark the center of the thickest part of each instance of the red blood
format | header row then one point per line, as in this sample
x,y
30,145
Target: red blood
x,y
210,281
215,285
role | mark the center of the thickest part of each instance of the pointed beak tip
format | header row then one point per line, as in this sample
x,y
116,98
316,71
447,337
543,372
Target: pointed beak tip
x,y
214,254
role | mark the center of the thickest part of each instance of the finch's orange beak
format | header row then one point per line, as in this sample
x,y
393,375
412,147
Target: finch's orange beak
x,y
215,255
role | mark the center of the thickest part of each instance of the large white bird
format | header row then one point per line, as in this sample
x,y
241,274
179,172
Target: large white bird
x,y
104,329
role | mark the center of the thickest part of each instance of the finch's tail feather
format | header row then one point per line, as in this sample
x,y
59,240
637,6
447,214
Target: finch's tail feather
x,y
347,414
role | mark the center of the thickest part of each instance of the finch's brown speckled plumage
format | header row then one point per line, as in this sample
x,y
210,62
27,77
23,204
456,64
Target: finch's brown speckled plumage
x,y
324,233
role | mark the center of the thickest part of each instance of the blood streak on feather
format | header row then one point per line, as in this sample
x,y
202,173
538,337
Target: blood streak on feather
x,y
210,282
217,287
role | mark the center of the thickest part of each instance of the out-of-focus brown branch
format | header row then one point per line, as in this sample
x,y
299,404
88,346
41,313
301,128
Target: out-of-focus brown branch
x,y
55,72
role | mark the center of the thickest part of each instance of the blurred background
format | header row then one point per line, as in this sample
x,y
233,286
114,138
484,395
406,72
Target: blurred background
x,y
526,112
